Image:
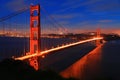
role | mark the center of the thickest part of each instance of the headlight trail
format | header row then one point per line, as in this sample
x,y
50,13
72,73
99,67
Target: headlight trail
x,y
57,48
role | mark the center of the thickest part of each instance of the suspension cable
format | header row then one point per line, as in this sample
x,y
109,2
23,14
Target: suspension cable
x,y
52,18
14,14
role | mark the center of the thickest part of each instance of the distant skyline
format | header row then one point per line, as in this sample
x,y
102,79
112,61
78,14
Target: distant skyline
x,y
76,16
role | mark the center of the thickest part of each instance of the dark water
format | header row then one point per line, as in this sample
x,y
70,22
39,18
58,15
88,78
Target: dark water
x,y
60,60
12,46
111,60
56,61
103,63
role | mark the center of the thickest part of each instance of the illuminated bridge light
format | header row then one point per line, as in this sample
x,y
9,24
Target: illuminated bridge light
x,y
57,48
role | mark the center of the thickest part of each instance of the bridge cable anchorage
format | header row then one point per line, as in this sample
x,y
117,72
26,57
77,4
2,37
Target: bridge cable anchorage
x,y
14,14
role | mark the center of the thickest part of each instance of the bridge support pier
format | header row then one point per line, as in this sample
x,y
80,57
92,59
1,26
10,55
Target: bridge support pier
x,y
34,34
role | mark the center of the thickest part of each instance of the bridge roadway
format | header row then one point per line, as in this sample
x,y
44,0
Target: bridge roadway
x,y
62,59
57,48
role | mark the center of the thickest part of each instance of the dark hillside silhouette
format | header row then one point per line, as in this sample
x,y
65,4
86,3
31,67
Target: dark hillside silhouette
x,y
11,69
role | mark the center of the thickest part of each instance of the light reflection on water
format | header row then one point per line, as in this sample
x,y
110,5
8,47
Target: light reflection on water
x,y
87,68
102,64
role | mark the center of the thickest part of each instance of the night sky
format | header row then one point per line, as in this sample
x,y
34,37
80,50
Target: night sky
x,y
74,15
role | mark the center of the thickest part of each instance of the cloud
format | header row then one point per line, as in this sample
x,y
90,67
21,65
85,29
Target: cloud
x,y
47,3
92,28
111,30
70,3
105,21
84,27
106,5
16,5
77,4
65,16
91,5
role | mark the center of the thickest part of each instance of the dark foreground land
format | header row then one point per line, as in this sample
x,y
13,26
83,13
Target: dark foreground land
x,y
17,70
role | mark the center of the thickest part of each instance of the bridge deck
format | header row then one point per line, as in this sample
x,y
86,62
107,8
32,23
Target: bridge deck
x,y
62,59
57,48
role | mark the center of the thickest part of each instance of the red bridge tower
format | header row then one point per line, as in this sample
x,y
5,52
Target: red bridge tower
x,y
34,34
98,35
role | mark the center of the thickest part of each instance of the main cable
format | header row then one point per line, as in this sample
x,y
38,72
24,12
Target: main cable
x,y
14,14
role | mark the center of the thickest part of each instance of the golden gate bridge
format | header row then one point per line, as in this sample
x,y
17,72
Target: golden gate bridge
x,y
35,37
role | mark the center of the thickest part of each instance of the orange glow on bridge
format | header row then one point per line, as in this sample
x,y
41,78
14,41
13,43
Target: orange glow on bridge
x,y
57,48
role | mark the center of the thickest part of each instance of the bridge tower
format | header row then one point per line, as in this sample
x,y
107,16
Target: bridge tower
x,y
34,34
98,35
